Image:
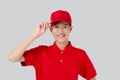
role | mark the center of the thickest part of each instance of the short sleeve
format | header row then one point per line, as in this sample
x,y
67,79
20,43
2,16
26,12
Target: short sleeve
x,y
30,56
88,71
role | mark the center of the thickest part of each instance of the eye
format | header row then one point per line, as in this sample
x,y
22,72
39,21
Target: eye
x,y
56,26
66,26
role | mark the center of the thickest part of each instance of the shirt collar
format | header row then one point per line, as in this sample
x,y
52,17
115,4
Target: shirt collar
x,y
67,50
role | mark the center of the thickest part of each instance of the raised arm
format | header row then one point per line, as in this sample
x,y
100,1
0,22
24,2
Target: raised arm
x,y
93,78
16,54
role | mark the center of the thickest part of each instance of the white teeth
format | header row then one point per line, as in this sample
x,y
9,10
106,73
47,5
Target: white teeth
x,y
60,36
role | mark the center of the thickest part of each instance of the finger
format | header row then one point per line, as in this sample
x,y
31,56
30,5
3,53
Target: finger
x,y
42,25
49,24
45,25
39,26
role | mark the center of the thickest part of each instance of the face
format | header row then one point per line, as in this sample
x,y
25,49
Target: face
x,y
61,31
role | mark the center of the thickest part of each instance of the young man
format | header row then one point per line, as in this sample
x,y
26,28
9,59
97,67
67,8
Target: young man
x,y
60,61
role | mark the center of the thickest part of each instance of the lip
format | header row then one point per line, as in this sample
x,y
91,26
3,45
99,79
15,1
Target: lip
x,y
61,35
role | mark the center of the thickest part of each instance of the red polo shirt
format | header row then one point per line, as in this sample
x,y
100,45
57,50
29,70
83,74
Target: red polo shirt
x,y
51,63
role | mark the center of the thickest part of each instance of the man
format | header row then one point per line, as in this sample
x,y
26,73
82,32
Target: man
x,y
60,61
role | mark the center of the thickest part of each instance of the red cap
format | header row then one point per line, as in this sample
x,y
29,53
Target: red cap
x,y
60,15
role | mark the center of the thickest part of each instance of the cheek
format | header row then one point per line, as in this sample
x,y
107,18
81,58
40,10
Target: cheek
x,y
67,31
53,32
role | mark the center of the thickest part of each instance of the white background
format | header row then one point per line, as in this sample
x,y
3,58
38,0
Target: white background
x,y
95,29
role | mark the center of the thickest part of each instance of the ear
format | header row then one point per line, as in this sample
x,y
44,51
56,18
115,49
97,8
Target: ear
x,y
50,28
71,28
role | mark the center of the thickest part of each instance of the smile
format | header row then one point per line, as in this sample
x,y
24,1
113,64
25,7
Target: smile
x,y
61,35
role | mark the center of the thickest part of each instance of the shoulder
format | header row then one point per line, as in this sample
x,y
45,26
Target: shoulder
x,y
38,48
43,46
79,52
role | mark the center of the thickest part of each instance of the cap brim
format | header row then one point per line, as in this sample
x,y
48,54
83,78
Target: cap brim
x,y
57,21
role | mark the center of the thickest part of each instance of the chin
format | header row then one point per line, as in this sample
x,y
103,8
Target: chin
x,y
61,41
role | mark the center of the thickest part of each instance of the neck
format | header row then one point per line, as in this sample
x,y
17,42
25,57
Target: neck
x,y
62,46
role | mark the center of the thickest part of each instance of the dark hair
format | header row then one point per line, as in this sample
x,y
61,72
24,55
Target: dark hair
x,y
58,22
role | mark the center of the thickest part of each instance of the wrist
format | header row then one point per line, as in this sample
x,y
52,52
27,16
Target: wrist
x,y
35,35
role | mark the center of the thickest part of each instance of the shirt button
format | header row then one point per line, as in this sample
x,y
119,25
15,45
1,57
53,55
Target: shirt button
x,y
61,60
61,52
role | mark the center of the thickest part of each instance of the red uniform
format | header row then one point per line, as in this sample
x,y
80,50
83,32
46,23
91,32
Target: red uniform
x,y
51,63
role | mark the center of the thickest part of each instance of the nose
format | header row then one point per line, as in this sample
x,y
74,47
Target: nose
x,y
60,30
